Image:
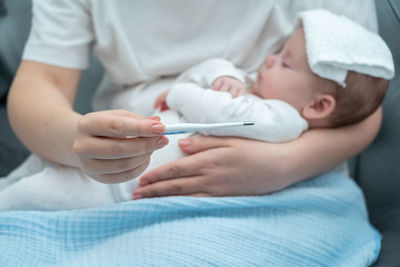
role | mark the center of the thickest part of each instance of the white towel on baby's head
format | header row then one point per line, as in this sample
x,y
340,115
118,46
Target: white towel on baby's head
x,y
335,45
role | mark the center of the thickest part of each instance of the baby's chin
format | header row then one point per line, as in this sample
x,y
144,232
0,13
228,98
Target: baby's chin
x,y
253,88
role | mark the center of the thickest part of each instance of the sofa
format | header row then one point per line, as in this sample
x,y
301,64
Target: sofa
x,y
376,170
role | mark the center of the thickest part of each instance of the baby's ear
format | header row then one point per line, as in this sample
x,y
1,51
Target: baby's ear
x,y
319,108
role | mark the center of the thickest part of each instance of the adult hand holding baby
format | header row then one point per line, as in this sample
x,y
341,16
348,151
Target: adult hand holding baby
x,y
230,166
115,146
217,167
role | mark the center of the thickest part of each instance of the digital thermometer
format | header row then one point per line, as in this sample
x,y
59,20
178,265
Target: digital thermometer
x,y
181,128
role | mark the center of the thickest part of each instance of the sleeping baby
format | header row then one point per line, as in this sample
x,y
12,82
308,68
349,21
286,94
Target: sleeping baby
x,y
309,83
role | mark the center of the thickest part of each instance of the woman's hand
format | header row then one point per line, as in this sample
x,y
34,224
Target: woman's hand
x,y
40,108
218,167
234,166
115,146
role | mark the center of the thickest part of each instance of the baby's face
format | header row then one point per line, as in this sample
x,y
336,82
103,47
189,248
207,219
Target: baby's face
x,y
287,76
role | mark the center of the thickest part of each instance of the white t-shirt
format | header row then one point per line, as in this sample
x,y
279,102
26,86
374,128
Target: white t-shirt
x,y
144,45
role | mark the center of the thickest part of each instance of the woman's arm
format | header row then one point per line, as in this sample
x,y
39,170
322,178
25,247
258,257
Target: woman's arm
x,y
233,166
40,110
330,147
41,114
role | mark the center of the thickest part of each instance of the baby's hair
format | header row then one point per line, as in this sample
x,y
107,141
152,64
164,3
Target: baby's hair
x,y
362,95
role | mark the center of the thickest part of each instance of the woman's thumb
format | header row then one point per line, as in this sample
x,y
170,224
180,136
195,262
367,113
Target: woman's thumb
x,y
201,143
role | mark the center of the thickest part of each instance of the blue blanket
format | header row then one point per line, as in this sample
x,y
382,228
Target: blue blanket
x,y
319,222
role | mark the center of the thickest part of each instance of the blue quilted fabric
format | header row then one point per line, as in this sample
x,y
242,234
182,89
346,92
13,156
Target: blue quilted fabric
x,y
319,222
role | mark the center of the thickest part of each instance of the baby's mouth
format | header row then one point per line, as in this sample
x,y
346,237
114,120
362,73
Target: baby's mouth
x,y
259,77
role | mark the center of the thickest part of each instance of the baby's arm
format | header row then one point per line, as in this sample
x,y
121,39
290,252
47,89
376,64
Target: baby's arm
x,y
206,73
231,85
275,121
161,101
217,73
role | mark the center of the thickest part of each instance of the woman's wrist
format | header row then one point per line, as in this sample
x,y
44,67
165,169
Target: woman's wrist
x,y
61,134
71,158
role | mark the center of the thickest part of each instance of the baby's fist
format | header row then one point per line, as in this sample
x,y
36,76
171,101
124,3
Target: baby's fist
x,y
231,85
161,101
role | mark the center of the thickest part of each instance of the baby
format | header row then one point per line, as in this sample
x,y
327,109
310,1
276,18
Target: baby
x,y
284,98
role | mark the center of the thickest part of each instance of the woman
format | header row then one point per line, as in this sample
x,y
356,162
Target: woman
x,y
49,82
143,46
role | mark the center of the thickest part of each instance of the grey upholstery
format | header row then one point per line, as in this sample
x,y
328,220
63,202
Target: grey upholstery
x,y
14,29
377,169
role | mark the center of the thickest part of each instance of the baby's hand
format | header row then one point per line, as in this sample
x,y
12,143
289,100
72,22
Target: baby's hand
x,y
161,102
231,85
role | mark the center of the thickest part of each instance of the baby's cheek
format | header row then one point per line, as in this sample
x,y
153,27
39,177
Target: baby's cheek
x,y
267,91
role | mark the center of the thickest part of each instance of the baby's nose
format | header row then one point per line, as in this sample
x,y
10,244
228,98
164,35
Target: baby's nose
x,y
270,61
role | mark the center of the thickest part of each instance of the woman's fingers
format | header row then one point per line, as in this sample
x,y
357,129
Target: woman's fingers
x,y
179,168
115,145
113,148
219,167
112,125
173,187
99,166
202,143
113,178
186,166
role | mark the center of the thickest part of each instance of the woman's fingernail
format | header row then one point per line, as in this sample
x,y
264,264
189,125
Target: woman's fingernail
x,y
162,141
157,128
137,196
155,118
185,142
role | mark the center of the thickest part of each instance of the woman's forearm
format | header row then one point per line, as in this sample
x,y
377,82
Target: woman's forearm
x,y
320,150
40,110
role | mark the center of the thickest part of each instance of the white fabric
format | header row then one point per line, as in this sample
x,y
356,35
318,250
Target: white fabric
x,y
336,45
144,45
275,120
39,185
